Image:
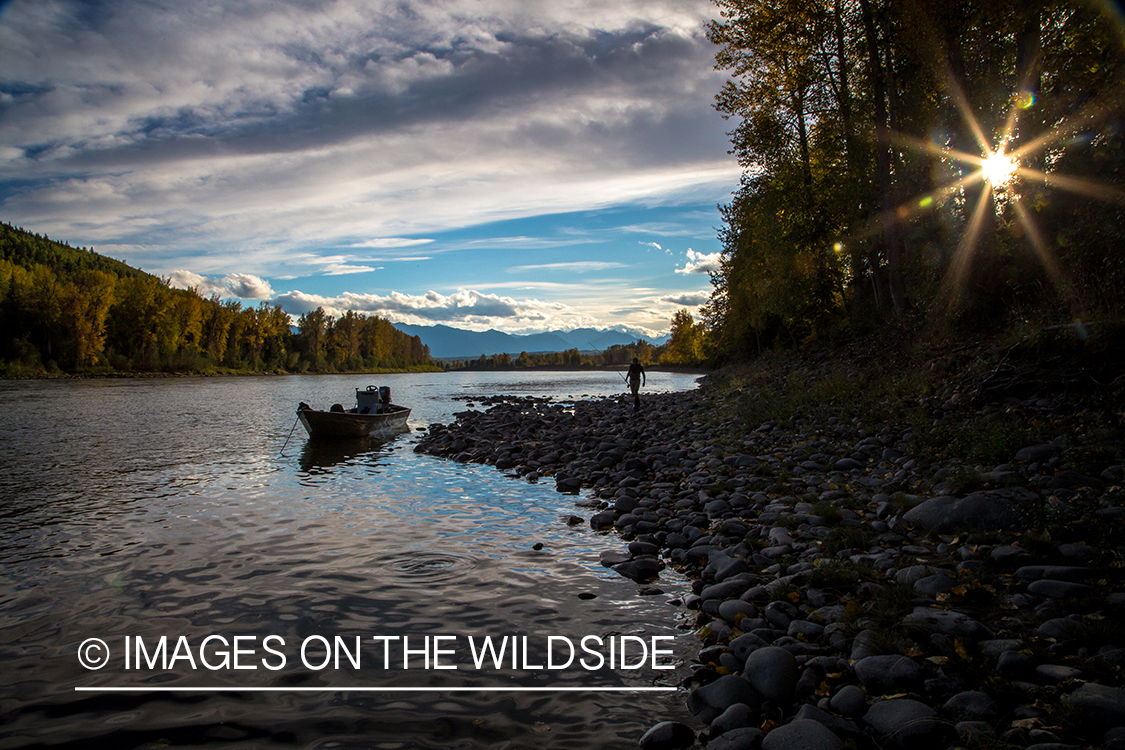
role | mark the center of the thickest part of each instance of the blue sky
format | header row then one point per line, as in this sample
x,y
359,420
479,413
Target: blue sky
x,y
479,163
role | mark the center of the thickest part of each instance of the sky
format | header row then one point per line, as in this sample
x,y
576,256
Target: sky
x,y
522,166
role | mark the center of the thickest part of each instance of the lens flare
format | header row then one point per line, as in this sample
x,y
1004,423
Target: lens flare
x,y
999,169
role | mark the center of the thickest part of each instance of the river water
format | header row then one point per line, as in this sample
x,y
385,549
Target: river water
x,y
133,510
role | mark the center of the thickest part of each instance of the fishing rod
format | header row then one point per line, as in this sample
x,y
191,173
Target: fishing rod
x,y
282,453
599,351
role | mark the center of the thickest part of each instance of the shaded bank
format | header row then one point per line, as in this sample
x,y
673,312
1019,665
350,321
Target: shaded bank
x,y
882,552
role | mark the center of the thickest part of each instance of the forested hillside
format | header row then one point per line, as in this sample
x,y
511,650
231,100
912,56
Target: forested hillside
x,y
956,164
65,309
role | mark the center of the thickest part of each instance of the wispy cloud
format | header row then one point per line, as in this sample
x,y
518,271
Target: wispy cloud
x,y
269,139
573,267
391,242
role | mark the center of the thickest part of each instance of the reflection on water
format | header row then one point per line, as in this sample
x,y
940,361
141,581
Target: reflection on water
x,y
321,456
149,508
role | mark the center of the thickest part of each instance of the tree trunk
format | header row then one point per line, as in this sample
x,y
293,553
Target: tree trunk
x,y
891,234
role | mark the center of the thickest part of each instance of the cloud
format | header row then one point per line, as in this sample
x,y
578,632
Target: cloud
x,y
701,262
573,267
342,269
240,285
391,242
281,126
688,299
464,306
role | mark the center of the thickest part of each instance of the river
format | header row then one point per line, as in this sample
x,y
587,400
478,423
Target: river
x,y
136,510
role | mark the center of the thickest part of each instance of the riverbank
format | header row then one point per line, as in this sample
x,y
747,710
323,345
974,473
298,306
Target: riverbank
x,y
210,373
887,547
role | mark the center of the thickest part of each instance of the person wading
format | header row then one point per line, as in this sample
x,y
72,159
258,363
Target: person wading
x,y
636,378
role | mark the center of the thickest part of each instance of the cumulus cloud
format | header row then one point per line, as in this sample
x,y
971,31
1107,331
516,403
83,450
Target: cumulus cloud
x,y
240,285
700,262
465,306
688,299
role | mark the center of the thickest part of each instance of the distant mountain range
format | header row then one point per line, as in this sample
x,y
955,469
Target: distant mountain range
x,y
445,341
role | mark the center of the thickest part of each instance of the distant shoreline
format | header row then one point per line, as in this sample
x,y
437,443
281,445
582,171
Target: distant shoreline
x,y
237,374
232,374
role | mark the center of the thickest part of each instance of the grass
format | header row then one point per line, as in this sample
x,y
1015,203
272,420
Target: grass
x,y
847,537
985,440
828,512
840,576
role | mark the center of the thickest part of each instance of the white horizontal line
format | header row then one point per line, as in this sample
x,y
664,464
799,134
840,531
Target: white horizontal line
x,y
372,689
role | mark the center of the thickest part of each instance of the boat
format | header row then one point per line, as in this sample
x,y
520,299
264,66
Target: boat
x,y
373,416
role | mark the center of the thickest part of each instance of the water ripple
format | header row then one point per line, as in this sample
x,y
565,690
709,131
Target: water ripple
x,y
167,508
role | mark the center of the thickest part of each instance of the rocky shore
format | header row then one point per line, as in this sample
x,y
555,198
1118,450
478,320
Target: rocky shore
x,y
850,587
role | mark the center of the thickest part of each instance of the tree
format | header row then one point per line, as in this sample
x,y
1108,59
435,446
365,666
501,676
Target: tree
x,y
87,304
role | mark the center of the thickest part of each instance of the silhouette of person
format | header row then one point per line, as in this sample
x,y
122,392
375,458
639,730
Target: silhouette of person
x,y
636,378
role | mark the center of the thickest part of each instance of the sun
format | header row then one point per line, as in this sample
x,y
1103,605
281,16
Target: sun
x,y
999,169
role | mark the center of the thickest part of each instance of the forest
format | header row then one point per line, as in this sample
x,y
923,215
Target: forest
x,y
71,310
917,165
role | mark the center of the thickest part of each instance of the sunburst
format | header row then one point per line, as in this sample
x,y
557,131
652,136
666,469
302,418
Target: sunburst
x,y
998,174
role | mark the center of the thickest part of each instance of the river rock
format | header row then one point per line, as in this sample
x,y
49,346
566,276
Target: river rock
x,y
802,734
973,733
1057,589
838,726
971,705
888,674
1037,453
668,735
850,700
905,722
735,717
1014,665
772,671
746,738
948,513
949,622
708,702
641,569
933,585
1101,705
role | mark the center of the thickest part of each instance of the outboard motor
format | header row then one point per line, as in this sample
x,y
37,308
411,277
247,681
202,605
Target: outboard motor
x,y
385,395
367,402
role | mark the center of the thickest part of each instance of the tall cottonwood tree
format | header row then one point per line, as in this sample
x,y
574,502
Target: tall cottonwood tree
x,y
846,113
